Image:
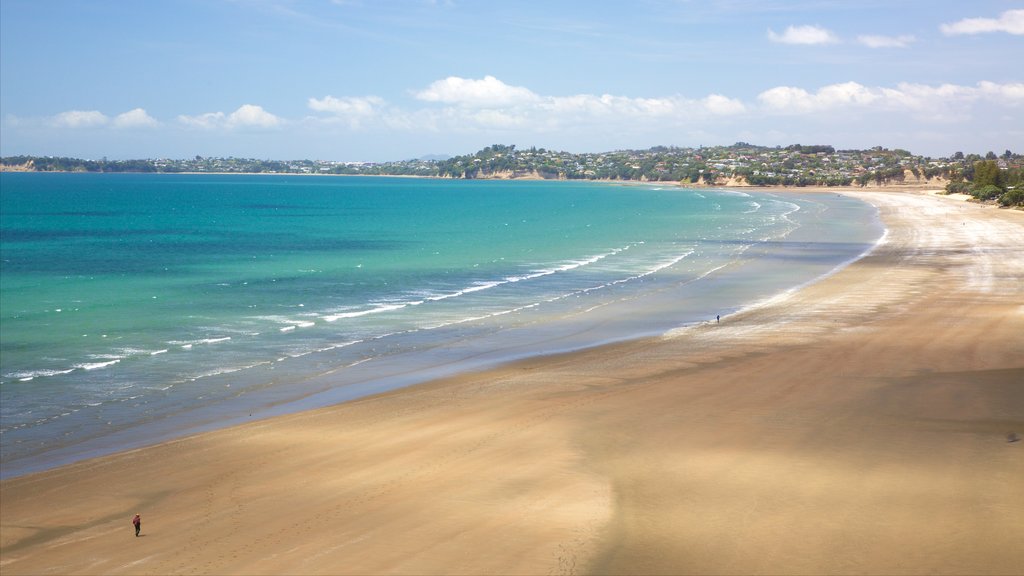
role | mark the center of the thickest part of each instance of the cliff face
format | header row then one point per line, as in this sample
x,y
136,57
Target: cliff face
x,y
513,175
26,167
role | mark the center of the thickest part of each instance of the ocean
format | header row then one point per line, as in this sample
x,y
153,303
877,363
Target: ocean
x,y
135,308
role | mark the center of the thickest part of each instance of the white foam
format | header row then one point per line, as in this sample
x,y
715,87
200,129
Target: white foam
x,y
565,266
188,344
730,192
97,365
28,375
358,313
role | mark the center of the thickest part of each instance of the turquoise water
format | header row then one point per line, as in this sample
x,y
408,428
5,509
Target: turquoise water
x,y
140,307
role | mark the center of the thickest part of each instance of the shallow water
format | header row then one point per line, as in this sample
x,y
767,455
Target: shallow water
x,y
140,307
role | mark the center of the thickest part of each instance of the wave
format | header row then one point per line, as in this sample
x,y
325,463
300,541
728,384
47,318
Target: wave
x,y
730,192
477,286
328,348
533,275
103,361
27,375
97,365
655,269
355,314
188,344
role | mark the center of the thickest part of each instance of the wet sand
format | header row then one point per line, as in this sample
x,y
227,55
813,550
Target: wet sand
x,y
858,425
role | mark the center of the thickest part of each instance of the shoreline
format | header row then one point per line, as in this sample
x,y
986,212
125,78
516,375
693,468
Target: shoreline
x,y
744,281
935,187
849,415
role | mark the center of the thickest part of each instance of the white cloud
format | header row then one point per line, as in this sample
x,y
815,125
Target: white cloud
x,y
723,106
365,112
490,103
1012,94
803,35
252,115
951,96
589,105
1011,21
79,119
246,116
498,119
348,106
942,101
467,104
137,118
484,93
207,121
797,100
886,41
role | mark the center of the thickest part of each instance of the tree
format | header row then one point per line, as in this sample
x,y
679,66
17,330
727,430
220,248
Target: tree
x,y
1012,198
987,173
957,188
990,156
987,192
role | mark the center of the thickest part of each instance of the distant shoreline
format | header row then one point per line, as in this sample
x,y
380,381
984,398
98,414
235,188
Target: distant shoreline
x,y
919,186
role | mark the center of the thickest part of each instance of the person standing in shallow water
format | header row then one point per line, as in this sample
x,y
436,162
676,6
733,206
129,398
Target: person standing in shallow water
x,y
137,522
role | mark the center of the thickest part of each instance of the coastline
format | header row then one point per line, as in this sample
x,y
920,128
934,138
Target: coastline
x,y
933,186
852,425
635,309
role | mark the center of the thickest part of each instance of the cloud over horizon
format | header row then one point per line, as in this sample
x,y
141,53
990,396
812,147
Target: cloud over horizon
x,y
872,41
943,103
79,119
136,118
805,35
460,104
487,92
490,108
1011,21
246,116
489,102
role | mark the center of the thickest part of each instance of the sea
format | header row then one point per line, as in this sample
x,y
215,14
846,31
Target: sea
x,y
137,308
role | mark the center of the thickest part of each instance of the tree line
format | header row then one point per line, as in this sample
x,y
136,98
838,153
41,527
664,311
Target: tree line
x,y
986,181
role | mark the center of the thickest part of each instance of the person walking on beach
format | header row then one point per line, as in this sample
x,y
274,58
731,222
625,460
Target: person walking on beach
x,y
718,318
137,522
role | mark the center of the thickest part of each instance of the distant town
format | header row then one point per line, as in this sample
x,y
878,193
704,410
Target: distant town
x,y
989,177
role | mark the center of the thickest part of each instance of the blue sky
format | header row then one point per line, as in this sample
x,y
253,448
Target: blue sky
x,y
396,79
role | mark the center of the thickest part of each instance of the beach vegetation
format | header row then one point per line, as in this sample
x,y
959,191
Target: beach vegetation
x,y
987,173
987,192
1013,197
989,180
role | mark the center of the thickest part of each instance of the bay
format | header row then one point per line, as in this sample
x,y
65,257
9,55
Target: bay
x,y
139,307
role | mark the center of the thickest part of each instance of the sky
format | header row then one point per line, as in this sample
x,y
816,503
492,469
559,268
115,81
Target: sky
x,y
378,80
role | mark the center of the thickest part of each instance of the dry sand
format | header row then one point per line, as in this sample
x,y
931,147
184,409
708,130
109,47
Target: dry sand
x,y
859,425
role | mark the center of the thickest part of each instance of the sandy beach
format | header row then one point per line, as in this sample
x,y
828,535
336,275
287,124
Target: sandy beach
x,y
862,424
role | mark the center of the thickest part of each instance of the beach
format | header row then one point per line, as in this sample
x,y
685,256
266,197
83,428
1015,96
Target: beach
x,y
861,424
